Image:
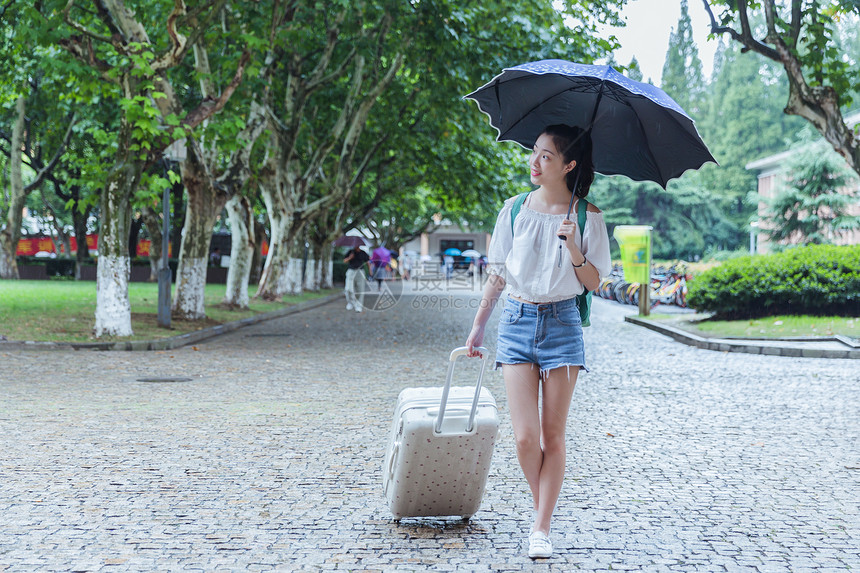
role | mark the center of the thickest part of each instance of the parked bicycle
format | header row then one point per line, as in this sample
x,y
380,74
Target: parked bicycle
x,y
667,286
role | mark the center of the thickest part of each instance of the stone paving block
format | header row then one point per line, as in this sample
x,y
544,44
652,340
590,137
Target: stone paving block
x,y
680,459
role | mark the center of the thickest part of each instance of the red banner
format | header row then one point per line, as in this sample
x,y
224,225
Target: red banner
x,y
29,246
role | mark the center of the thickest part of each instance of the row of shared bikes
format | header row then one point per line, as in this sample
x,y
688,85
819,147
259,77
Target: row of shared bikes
x,y
668,286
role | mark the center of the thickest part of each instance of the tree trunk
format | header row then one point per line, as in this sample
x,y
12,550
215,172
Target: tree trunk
x,y
10,234
134,236
326,274
311,263
241,217
113,310
322,259
282,273
79,220
153,225
204,205
275,279
257,259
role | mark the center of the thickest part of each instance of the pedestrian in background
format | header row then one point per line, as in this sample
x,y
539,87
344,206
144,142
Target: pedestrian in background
x,y
379,259
353,289
406,267
449,266
540,345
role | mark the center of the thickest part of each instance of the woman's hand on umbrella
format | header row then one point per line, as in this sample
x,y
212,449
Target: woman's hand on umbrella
x,y
566,231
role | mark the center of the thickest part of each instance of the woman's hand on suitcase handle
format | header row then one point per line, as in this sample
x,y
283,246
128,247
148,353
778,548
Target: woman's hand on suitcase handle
x,y
476,338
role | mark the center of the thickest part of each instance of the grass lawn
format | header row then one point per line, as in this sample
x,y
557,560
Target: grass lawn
x,y
770,327
64,311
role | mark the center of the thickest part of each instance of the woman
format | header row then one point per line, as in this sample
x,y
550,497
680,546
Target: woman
x,y
540,341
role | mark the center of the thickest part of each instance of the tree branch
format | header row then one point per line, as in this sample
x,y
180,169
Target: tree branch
x,y
83,29
178,42
796,20
40,176
209,107
745,37
5,7
81,49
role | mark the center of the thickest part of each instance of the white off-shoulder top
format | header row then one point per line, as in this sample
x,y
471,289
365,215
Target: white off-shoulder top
x,y
528,260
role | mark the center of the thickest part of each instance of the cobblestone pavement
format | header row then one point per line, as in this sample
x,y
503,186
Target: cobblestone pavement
x,y
270,457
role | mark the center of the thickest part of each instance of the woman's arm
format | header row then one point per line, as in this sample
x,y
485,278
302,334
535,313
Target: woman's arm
x,y
492,290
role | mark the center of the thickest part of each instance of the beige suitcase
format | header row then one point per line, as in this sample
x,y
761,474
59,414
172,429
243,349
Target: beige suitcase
x,y
440,449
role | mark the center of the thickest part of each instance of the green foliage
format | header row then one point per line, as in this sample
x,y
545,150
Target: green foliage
x,y
435,145
685,217
821,41
743,121
816,199
682,77
819,279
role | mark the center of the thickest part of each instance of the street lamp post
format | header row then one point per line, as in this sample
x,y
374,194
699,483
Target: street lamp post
x,y
175,152
164,275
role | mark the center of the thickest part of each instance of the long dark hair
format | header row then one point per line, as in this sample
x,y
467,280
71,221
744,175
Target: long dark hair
x,y
574,144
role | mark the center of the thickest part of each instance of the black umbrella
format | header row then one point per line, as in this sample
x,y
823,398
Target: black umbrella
x,y
636,129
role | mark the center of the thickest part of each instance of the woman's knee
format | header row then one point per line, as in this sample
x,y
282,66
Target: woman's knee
x,y
554,443
527,440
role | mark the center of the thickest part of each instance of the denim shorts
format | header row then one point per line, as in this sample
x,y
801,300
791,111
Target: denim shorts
x,y
547,334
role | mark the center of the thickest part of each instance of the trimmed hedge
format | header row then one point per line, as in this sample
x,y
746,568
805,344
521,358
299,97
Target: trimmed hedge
x,y
817,280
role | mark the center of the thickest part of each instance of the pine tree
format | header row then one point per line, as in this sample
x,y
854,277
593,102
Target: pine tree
x,y
683,78
812,204
634,72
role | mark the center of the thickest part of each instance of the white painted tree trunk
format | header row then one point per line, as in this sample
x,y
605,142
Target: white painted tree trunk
x,y
203,206
191,275
285,278
282,273
113,309
312,268
241,251
293,284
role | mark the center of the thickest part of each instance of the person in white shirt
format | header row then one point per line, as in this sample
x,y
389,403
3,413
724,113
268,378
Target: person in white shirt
x,y
540,343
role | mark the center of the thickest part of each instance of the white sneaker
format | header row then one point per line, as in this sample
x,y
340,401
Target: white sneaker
x,y
540,547
349,306
358,308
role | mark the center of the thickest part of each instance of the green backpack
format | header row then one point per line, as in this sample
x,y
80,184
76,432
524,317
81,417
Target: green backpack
x,y
583,301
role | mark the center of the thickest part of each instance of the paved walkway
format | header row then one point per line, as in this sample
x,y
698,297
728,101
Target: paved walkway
x,y
270,457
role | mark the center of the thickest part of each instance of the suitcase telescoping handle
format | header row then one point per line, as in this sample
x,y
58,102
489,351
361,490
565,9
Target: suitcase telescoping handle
x,y
455,354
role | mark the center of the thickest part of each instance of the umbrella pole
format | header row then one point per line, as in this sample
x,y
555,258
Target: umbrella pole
x,y
569,208
572,197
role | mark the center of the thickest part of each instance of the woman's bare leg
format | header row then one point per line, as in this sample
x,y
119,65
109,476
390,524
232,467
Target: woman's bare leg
x,y
522,384
557,393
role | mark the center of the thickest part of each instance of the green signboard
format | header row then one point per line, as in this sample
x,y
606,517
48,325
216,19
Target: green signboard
x,y
635,242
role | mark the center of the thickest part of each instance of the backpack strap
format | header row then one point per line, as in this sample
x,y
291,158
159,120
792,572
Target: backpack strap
x,y
581,208
515,209
583,300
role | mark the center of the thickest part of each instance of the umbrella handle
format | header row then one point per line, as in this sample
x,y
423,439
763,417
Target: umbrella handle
x,y
572,197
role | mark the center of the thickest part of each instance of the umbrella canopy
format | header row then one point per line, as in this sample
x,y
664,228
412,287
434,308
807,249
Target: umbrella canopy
x,y
351,241
636,129
380,255
453,252
471,253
